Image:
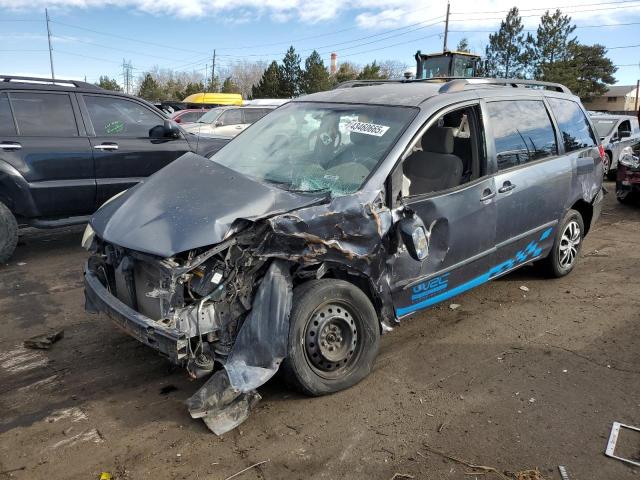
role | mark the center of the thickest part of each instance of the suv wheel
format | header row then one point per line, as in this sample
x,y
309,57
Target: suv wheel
x,y
606,165
8,233
333,337
566,246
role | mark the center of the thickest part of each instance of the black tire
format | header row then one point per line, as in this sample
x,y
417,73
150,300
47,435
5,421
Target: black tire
x,y
606,165
342,316
8,233
556,264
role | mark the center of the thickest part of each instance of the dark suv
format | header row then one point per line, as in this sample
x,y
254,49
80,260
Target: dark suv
x,y
67,146
335,217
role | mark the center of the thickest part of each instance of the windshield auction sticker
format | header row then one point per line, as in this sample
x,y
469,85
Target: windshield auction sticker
x,y
367,128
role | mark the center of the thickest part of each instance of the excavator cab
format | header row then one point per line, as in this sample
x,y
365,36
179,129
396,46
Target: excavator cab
x,y
447,64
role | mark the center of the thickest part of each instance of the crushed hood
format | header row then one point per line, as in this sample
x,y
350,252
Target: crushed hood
x,y
190,203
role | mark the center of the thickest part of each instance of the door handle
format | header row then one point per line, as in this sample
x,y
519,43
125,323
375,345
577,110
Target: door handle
x,y
10,146
506,187
106,146
487,194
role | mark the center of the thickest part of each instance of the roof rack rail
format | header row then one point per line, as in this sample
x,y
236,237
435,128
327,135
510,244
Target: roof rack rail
x,y
366,83
49,81
459,84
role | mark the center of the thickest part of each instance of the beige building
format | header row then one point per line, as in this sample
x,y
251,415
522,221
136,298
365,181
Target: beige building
x,y
619,98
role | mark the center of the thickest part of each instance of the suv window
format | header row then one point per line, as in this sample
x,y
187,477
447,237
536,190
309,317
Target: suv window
x,y
44,114
7,127
523,132
573,124
252,115
624,127
120,117
232,117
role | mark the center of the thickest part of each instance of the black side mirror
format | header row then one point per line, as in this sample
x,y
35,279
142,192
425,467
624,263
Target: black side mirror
x,y
167,130
415,237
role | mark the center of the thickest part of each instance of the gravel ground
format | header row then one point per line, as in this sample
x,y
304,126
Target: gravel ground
x,y
511,379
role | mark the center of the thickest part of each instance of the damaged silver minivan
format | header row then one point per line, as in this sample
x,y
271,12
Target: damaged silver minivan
x,y
334,217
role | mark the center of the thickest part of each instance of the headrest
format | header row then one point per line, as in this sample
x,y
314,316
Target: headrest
x,y
438,140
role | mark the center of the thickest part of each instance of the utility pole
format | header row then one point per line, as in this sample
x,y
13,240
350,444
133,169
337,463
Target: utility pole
x,y
446,28
206,71
213,66
126,75
46,14
637,95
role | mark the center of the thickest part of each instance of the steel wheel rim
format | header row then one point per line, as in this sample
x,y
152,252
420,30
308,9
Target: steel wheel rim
x,y
332,341
569,244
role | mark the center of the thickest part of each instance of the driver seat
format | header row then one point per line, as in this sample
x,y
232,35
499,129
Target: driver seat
x,y
435,168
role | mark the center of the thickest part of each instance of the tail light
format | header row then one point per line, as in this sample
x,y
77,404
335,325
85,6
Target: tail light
x,y
601,151
177,120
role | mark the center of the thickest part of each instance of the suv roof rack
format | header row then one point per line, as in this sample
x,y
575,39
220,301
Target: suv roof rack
x,y
48,81
459,84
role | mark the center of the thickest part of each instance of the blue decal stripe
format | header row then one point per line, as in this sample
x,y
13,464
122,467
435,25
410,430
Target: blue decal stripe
x,y
426,293
531,251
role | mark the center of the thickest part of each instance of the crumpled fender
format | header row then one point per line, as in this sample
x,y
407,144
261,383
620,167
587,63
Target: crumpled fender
x,y
225,400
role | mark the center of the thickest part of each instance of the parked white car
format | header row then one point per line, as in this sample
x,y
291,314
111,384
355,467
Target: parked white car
x,y
227,121
615,132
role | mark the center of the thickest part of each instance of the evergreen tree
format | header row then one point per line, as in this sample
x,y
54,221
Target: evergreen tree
x,y
507,54
290,74
192,88
552,44
269,84
149,89
463,45
108,84
229,86
346,71
370,72
586,71
213,85
315,77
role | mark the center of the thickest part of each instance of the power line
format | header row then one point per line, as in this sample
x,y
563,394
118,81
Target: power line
x,y
559,7
537,15
535,30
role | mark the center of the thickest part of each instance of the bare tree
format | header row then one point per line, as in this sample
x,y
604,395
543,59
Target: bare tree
x,y
393,68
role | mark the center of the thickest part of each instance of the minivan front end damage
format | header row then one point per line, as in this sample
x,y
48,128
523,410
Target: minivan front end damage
x,y
228,305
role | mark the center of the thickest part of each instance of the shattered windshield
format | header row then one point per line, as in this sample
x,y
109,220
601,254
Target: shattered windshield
x,y
317,147
603,127
211,115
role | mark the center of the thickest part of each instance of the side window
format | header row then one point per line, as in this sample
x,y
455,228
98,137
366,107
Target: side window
x,y
450,153
523,132
624,127
7,126
232,117
252,115
44,114
574,126
119,117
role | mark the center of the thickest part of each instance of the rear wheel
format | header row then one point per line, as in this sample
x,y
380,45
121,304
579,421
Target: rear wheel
x,y
333,337
606,165
8,233
566,246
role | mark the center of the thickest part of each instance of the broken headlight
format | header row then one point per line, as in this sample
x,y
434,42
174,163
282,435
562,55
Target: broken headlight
x,y
87,237
628,159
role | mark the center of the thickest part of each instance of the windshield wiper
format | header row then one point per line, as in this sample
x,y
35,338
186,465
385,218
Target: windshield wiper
x,y
315,190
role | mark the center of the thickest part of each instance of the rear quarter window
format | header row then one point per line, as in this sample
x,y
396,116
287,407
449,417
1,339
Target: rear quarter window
x,y
573,124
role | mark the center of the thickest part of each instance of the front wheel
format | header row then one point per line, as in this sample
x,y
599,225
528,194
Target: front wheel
x,y
333,337
566,246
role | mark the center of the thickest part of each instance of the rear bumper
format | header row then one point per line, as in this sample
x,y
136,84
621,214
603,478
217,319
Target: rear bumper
x,y
168,341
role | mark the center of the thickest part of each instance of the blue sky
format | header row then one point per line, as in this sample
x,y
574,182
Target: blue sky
x,y
91,37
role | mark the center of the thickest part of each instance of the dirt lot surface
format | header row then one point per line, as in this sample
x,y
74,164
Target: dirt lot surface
x,y
512,379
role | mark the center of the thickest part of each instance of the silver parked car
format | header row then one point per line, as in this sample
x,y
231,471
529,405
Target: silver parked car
x,y
228,121
615,132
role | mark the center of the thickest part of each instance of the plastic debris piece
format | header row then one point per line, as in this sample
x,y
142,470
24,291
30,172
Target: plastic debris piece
x,y
105,476
453,306
524,288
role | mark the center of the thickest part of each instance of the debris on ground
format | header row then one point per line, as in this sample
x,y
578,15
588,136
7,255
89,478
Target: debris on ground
x,y
166,390
248,468
453,306
398,476
485,470
105,476
563,472
44,341
613,439
524,288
